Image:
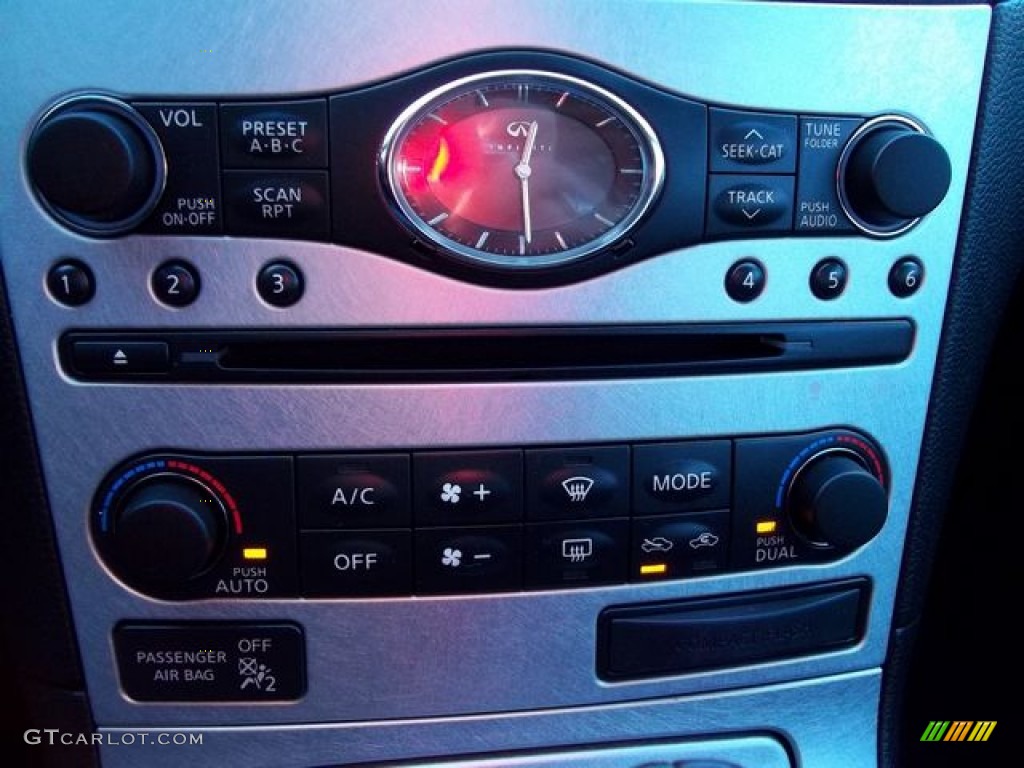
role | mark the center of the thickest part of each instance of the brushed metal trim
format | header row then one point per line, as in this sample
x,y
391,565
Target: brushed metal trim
x,y
379,667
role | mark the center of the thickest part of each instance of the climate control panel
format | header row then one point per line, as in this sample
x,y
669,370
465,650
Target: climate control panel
x,y
494,520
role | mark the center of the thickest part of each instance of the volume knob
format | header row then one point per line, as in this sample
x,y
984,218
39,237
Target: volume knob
x,y
96,166
891,174
167,529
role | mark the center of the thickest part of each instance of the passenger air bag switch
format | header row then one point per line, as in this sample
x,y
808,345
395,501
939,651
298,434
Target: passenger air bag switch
x,y
200,661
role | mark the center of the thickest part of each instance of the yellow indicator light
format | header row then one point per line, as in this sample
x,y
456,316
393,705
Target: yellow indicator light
x,y
767,526
647,570
254,553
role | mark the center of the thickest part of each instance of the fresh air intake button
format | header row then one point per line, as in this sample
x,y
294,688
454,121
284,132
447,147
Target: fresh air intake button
x,y
752,142
286,134
749,204
282,204
675,546
200,661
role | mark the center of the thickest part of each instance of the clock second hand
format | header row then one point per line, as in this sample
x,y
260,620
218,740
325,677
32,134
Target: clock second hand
x,y
523,172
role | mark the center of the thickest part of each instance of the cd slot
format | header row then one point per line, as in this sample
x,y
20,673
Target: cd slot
x,y
378,356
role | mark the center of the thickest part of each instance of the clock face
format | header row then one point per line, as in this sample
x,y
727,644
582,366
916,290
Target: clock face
x,y
521,169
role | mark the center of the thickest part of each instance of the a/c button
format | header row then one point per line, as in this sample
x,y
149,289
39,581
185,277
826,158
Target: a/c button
x,y
363,563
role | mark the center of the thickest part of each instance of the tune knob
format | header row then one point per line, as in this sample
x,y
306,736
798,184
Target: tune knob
x,y
167,529
96,165
891,174
835,501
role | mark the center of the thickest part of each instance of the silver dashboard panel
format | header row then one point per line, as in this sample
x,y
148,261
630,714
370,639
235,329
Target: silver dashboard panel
x,y
451,657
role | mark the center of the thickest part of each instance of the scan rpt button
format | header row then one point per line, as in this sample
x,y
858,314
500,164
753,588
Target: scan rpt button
x,y
203,661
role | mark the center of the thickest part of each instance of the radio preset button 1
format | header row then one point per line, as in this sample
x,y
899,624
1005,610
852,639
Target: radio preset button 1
x,y
71,283
285,134
752,142
283,204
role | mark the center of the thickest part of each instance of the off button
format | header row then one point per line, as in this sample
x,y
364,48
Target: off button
x,y
294,205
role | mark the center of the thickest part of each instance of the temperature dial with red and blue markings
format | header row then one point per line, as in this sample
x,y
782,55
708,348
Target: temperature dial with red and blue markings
x,y
173,526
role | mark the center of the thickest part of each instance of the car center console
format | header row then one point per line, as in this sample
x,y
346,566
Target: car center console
x,y
421,382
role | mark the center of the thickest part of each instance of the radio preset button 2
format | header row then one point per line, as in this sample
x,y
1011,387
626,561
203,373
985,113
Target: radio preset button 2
x,y
176,283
